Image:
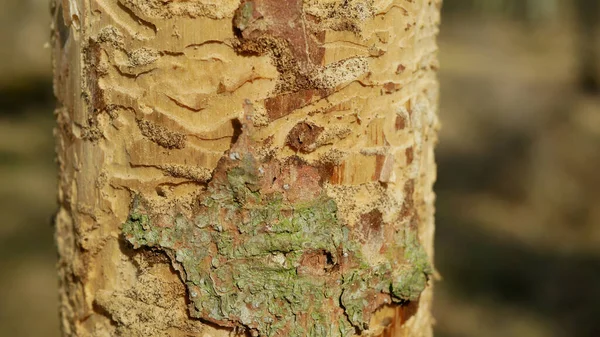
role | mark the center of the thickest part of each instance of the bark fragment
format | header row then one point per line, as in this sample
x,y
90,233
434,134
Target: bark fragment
x,y
303,137
264,250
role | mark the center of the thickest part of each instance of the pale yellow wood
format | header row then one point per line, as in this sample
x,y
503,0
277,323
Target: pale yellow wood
x,y
149,94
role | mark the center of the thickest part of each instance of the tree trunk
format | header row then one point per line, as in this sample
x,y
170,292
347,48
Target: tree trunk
x,y
245,167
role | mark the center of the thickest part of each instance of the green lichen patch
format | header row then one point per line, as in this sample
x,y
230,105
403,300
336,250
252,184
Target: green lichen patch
x,y
244,15
410,279
259,254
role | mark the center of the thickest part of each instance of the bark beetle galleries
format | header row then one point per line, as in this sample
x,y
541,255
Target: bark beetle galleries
x,y
312,222
265,250
287,24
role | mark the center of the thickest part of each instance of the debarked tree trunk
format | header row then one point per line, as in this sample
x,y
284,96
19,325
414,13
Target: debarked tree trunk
x,y
245,167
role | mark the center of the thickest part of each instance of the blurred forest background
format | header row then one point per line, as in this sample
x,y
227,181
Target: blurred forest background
x,y
518,216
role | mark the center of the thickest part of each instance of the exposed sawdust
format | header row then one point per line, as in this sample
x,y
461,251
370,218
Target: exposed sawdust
x,y
373,151
259,116
147,309
346,15
198,174
351,9
165,9
344,71
332,157
332,133
295,76
111,35
142,57
355,200
169,201
291,77
90,131
161,135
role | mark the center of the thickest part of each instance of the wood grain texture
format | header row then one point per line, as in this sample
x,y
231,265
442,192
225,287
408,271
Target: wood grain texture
x,y
155,94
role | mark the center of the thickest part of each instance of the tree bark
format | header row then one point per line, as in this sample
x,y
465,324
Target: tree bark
x,y
245,167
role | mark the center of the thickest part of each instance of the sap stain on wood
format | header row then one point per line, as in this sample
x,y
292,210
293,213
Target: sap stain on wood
x,y
283,31
371,224
401,314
